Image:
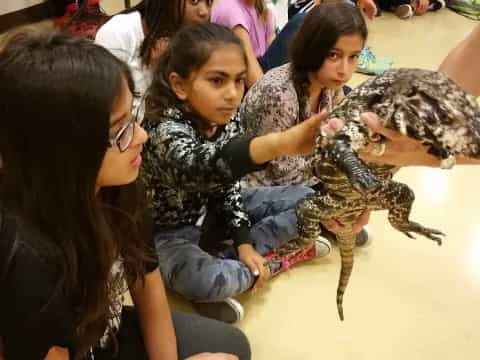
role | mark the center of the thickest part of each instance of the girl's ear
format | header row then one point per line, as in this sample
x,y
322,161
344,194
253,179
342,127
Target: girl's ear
x,y
178,85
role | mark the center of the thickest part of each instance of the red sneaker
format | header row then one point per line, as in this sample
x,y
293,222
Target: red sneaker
x,y
292,253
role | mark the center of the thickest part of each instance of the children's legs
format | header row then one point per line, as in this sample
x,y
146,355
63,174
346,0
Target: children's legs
x,y
462,63
272,212
195,334
277,52
194,273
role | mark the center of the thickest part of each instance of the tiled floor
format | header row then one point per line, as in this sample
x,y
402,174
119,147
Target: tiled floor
x,y
407,299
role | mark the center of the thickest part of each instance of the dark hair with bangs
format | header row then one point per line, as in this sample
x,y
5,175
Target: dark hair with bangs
x,y
189,50
57,95
316,37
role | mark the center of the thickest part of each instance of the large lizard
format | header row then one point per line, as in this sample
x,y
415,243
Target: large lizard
x,y
424,105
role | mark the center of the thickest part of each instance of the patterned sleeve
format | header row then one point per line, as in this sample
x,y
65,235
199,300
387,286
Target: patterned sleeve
x,y
197,165
269,109
231,208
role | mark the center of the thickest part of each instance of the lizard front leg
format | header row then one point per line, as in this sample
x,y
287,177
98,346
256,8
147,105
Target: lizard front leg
x,y
310,212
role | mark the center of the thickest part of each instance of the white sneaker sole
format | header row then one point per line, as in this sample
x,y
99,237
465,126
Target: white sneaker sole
x,y
237,307
322,247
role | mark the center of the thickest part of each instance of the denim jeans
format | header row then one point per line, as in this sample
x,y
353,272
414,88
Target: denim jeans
x,y
200,276
277,52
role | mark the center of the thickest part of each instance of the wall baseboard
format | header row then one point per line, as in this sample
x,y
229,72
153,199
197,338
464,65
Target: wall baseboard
x,y
24,16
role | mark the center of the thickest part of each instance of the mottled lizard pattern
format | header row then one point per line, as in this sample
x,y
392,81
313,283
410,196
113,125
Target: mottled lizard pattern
x,y
421,104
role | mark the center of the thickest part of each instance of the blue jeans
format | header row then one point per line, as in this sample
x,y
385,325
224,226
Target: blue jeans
x,y
198,275
277,52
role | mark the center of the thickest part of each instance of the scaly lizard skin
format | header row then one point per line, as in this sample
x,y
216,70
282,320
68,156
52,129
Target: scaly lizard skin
x,y
421,104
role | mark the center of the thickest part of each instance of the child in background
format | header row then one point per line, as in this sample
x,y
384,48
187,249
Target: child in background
x,y
253,22
139,35
405,9
368,62
193,160
287,95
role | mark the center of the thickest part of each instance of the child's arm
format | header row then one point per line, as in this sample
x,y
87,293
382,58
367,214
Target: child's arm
x,y
200,165
269,109
203,166
255,71
297,140
368,7
462,63
149,297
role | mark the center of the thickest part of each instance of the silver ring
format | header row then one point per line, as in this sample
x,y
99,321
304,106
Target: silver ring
x,y
378,148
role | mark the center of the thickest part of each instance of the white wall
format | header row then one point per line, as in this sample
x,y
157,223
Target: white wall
x,y
8,6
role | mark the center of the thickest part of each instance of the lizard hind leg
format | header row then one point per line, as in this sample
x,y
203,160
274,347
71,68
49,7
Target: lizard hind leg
x,y
309,215
400,200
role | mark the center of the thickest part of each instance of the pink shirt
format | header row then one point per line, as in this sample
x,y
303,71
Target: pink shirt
x,y
231,13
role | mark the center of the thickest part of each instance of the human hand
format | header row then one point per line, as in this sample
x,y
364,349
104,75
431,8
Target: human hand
x,y
301,139
421,6
57,353
368,7
335,227
158,49
255,262
400,150
212,356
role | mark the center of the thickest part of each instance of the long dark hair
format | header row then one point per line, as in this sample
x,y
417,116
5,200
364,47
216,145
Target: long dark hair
x,y
189,50
162,18
57,95
318,34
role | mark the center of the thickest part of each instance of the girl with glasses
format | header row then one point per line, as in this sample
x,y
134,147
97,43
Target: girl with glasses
x,y
74,236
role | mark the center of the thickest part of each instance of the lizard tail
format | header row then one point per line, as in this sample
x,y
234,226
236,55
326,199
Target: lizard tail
x,y
346,245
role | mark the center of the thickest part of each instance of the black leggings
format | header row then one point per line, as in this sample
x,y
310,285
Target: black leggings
x,y
195,334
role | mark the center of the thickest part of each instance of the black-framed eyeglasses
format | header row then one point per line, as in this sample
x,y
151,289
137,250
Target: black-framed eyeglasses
x,y
124,137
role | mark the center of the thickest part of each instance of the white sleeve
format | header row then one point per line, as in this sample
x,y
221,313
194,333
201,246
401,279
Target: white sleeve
x,y
119,40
